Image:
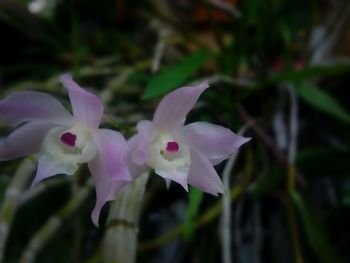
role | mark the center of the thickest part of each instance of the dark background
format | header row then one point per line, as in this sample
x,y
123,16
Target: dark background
x,y
264,59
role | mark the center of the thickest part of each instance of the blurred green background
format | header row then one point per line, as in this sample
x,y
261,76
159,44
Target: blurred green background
x,y
278,71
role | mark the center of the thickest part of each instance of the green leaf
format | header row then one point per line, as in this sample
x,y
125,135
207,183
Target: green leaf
x,y
322,100
303,74
175,75
314,231
308,72
195,199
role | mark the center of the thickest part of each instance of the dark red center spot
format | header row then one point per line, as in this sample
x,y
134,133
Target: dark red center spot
x,y
172,147
68,139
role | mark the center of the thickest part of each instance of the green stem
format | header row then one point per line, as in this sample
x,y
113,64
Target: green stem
x,y
121,237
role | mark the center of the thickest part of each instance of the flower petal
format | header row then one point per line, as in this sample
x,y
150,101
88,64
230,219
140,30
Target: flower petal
x,y
146,131
26,106
25,140
113,188
167,183
215,142
179,176
173,108
48,166
203,175
112,149
87,107
108,168
135,169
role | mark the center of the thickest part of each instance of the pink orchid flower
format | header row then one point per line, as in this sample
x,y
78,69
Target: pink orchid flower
x,y
64,141
182,153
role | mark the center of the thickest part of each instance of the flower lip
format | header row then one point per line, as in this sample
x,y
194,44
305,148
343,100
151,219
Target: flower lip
x,y
172,147
68,139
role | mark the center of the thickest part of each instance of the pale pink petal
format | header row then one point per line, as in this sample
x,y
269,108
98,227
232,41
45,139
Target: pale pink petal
x,y
112,188
135,169
23,106
108,168
173,108
49,166
215,142
25,140
146,131
87,107
112,150
203,175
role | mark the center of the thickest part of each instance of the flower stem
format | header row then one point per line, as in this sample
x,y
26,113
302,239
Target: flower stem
x,y
122,224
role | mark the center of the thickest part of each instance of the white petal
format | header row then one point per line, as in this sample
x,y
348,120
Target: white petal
x,y
168,165
48,166
167,183
177,175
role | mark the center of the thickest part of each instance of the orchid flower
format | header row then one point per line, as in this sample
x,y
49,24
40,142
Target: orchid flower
x,y
182,153
64,141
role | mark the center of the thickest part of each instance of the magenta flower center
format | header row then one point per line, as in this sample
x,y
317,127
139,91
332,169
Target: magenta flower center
x,y
68,139
172,147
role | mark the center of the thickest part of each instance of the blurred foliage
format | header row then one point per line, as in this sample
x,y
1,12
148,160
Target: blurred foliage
x,y
175,75
195,198
258,56
321,100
